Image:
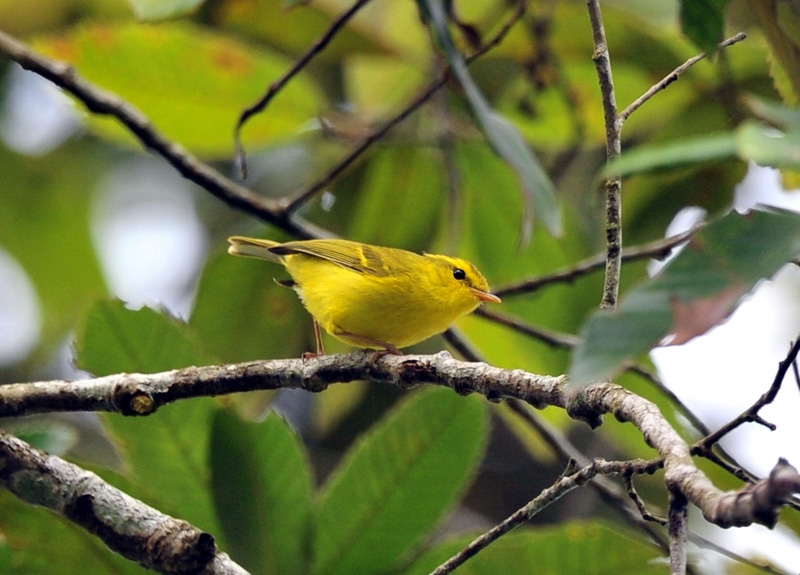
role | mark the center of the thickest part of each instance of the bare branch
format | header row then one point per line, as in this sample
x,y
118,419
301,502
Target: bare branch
x,y
126,525
102,102
561,487
672,77
293,202
278,84
658,249
751,413
137,394
678,517
602,62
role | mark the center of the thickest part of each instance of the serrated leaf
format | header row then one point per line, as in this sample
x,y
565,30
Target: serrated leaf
x,y
262,487
190,82
397,482
116,339
504,137
703,21
550,551
29,533
241,314
166,452
163,9
731,253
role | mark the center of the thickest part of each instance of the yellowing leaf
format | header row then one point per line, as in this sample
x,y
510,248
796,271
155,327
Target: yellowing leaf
x,y
191,83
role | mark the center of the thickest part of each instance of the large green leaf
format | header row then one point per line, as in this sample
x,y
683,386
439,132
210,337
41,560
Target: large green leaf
x,y
241,314
703,21
551,551
262,486
116,339
191,83
397,482
38,542
504,137
695,292
166,452
400,199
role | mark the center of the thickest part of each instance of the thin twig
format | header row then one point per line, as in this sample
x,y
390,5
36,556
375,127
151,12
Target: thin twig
x,y
602,62
658,249
627,478
553,338
294,201
278,84
672,77
548,496
103,102
751,413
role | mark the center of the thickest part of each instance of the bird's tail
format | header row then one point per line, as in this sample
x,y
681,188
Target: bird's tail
x,y
253,248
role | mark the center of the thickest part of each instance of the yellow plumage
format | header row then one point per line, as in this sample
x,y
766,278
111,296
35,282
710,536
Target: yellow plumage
x,y
374,297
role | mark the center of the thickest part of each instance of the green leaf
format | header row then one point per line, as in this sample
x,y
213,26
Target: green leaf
x,y
44,224
191,83
407,183
703,21
504,137
767,147
551,551
29,534
166,452
163,9
262,485
115,339
398,481
241,314
675,153
695,292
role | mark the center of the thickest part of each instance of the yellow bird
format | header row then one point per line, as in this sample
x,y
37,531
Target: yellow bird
x,y
373,297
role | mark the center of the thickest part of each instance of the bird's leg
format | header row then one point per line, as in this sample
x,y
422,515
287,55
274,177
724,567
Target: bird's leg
x,y
318,337
320,346
383,347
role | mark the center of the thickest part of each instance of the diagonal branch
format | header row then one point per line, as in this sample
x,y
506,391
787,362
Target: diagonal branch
x,y
278,84
548,496
293,202
126,525
139,394
103,102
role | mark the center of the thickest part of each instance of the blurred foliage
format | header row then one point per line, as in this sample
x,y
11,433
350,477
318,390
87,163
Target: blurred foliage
x,y
370,475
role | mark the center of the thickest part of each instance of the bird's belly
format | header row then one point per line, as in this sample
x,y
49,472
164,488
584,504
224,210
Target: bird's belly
x,y
378,309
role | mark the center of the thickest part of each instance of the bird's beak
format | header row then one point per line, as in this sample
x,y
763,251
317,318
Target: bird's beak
x,y
485,296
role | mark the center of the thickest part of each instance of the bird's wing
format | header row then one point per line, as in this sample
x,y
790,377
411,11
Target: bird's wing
x,y
361,258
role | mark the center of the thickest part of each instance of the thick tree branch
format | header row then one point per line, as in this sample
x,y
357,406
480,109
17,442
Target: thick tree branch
x,y
137,394
129,527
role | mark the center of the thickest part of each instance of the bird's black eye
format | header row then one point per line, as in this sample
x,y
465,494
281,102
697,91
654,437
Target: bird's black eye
x,y
459,274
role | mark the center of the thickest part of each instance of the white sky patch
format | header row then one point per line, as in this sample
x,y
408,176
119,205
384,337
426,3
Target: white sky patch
x,y
20,312
150,242
36,116
721,373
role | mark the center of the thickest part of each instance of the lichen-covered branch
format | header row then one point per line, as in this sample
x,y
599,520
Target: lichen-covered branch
x,y
126,525
138,394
